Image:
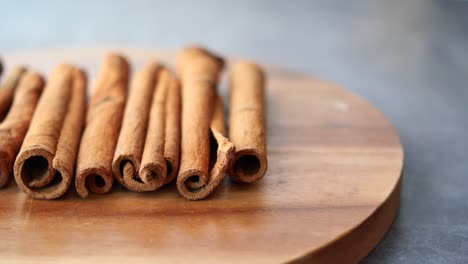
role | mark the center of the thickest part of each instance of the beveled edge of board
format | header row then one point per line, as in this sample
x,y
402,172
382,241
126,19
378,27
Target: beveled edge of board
x,y
374,227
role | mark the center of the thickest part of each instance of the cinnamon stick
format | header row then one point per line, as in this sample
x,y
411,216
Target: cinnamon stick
x,y
247,122
45,163
153,164
172,130
196,187
8,89
14,127
199,71
141,139
94,167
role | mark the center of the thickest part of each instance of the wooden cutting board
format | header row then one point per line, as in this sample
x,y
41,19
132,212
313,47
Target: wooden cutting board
x,y
331,191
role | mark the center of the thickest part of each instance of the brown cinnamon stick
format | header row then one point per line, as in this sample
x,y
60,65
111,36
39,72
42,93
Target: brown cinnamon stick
x,y
94,167
153,164
247,122
172,130
196,187
14,127
141,139
199,71
44,166
210,64
8,89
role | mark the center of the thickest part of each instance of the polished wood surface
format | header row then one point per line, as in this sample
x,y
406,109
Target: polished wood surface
x,y
330,193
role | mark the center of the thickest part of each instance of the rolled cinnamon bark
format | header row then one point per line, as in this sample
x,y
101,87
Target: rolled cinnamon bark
x,y
247,122
141,139
44,166
195,187
172,133
14,127
8,89
153,165
94,167
199,71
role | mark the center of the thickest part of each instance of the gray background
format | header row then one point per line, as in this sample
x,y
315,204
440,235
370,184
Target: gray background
x,y
409,58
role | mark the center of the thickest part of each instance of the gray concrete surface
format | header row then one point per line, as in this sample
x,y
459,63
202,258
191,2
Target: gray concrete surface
x,y
409,58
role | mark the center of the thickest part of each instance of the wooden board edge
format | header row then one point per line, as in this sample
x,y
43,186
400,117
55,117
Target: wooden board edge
x,y
357,243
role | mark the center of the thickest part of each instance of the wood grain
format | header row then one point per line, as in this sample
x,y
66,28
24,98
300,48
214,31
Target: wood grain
x,y
330,193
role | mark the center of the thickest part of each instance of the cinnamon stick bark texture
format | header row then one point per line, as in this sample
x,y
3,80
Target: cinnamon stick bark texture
x,y
221,155
8,89
153,164
172,130
199,71
97,147
44,166
247,122
14,127
139,156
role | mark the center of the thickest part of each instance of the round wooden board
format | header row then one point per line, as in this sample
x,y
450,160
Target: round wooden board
x,y
330,193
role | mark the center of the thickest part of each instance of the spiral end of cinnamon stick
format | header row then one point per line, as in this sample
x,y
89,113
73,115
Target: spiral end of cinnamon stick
x,y
97,180
37,175
248,166
151,177
193,184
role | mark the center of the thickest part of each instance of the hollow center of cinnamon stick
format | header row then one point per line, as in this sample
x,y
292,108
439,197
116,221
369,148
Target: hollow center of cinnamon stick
x,y
194,179
99,181
194,183
96,183
35,168
247,165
